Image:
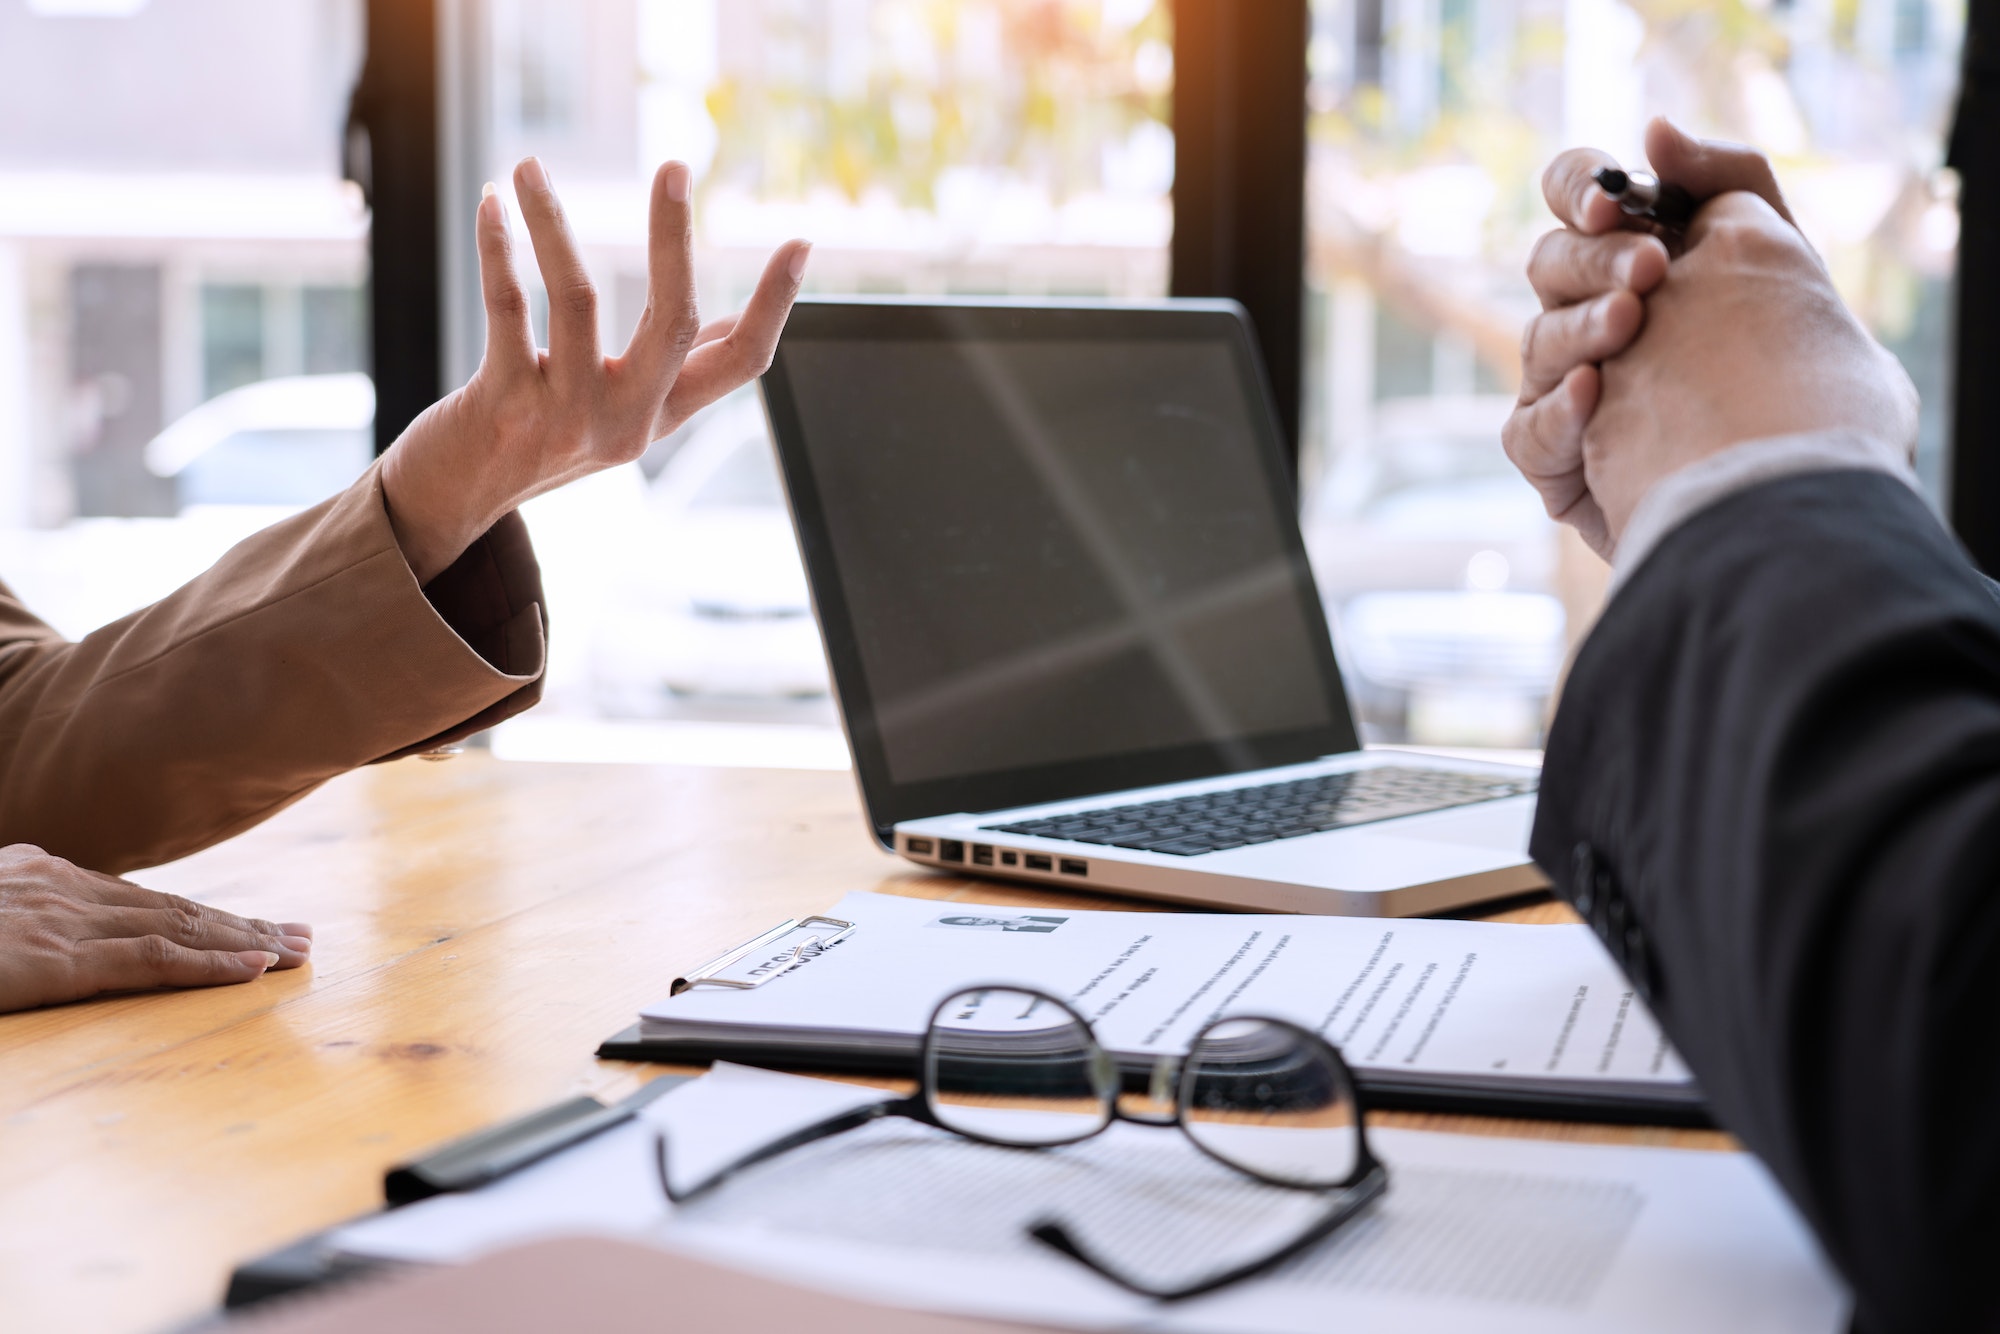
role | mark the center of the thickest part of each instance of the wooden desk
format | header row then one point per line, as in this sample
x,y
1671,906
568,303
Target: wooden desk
x,y
481,927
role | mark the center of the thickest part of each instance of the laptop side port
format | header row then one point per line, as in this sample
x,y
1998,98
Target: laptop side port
x,y
1075,866
950,850
921,847
981,855
1010,859
1037,862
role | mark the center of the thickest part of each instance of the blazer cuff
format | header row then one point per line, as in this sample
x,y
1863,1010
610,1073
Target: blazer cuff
x,y
491,598
1682,494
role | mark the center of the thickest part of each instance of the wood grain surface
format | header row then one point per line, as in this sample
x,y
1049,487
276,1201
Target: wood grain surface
x,y
481,927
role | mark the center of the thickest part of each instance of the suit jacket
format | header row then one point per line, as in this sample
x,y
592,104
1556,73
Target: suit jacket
x,y
1773,787
307,650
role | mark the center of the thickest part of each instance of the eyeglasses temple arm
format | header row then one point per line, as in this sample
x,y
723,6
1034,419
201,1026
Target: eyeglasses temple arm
x,y
833,1125
1353,1200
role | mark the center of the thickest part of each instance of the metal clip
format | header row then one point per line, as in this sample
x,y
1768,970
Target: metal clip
x,y
804,952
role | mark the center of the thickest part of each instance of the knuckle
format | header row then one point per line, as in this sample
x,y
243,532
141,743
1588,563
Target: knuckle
x,y
1538,253
1548,426
185,925
509,301
156,952
1531,337
684,328
578,297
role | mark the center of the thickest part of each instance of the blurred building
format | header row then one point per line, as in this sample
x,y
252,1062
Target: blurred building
x,y
172,225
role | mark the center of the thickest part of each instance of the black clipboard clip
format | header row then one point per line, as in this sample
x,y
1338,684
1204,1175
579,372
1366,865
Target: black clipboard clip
x,y
785,955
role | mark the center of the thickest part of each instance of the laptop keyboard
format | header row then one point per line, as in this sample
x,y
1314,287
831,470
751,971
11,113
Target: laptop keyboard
x,y
1217,821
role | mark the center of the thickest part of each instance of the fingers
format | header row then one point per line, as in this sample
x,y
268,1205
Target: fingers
x,y
133,963
717,328
1710,167
717,367
671,326
1544,439
510,330
1567,267
572,298
1575,198
149,912
196,932
1557,342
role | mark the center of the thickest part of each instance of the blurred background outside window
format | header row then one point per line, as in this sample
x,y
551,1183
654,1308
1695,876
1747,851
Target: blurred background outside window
x,y
176,249
925,146
183,309
1455,599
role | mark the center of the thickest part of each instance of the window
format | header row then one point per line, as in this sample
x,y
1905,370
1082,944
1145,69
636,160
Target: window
x,y
1454,599
925,146
161,250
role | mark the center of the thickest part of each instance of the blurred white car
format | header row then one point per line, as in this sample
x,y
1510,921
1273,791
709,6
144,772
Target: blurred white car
x,y
1436,560
716,602
240,461
290,441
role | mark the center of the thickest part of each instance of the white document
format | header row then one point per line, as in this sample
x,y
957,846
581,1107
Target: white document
x,y
1410,1001
1491,1234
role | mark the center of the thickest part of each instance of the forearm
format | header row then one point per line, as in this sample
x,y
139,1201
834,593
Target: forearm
x,y
307,650
1775,784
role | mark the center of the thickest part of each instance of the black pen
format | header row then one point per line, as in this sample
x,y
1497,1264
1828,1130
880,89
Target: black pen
x,y
1640,195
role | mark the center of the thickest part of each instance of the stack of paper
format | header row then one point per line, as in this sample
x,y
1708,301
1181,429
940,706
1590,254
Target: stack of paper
x,y
1478,1015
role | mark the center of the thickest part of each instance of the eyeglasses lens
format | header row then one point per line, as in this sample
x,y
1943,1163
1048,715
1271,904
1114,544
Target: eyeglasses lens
x,y
1012,1067
1268,1099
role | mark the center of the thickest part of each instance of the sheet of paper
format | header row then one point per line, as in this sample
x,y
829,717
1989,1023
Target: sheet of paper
x,y
1479,1233
1412,996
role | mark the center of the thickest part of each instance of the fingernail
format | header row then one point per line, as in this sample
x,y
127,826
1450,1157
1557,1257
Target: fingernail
x,y
534,173
261,960
297,944
296,929
680,181
488,190
799,258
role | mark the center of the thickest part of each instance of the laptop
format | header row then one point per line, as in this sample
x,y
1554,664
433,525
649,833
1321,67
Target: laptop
x,y
1055,558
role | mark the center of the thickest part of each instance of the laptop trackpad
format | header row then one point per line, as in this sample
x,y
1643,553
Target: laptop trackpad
x,y
1413,851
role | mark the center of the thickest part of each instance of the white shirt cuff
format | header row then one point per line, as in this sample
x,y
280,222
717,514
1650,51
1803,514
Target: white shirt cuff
x,y
1681,495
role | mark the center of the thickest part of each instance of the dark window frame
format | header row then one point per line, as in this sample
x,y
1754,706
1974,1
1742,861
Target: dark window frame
x,y
391,150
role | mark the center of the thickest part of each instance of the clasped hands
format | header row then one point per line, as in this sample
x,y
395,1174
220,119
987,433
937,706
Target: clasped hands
x,y
1643,362
527,422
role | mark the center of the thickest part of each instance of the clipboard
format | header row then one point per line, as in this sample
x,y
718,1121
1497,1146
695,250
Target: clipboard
x,y
796,942
463,1164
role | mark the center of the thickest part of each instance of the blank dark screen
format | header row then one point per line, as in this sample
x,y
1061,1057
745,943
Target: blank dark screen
x,y
1055,551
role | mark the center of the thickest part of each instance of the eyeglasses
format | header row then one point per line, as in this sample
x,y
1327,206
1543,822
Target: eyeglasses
x,y
1018,1068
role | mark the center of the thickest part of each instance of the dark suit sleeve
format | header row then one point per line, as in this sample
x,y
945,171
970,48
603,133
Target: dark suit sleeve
x,y
1773,786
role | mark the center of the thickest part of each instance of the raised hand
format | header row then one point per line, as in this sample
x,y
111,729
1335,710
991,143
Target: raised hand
x,y
67,933
1592,275
530,420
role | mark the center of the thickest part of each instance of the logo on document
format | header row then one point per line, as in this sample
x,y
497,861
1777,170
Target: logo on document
x,y
1041,925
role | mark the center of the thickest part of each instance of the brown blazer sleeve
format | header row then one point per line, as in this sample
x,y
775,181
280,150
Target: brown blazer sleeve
x,y
307,650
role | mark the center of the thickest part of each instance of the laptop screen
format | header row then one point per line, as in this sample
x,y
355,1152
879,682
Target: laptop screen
x,y
1063,552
